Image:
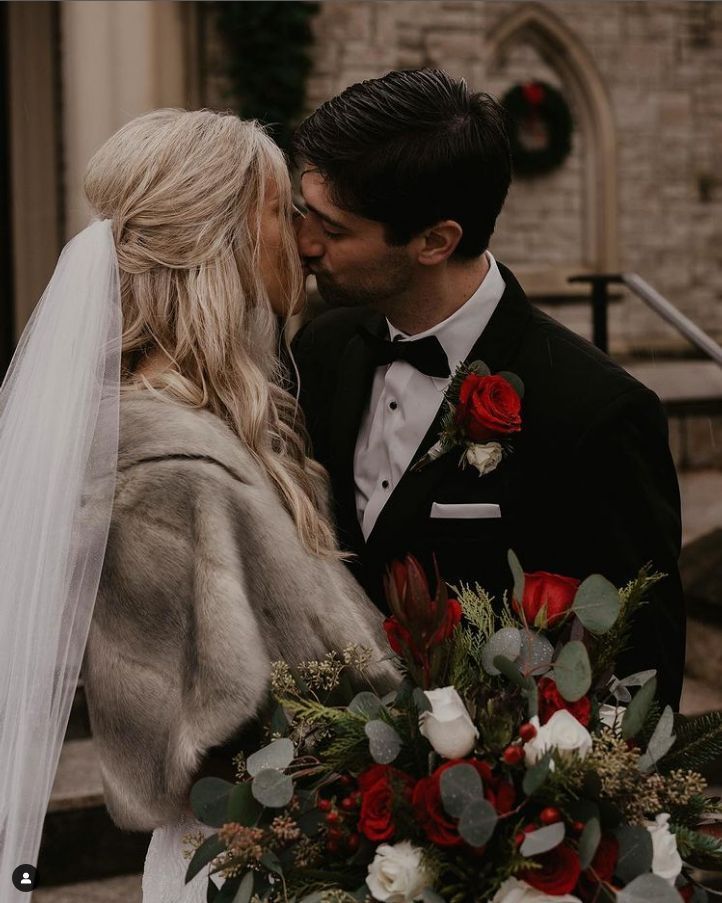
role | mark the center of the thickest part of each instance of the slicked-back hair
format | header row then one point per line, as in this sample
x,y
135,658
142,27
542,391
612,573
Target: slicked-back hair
x,y
409,150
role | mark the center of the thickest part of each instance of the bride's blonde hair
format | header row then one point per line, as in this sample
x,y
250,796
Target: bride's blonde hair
x,y
185,193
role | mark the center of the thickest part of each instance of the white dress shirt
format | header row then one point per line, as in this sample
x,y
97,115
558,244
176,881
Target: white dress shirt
x,y
404,402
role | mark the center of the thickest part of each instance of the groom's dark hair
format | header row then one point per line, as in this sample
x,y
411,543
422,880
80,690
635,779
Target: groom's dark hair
x,y
411,149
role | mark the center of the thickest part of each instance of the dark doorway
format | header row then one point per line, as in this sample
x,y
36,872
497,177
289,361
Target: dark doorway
x,y
7,324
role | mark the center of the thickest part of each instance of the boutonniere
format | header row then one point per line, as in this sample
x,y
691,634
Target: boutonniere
x,y
482,411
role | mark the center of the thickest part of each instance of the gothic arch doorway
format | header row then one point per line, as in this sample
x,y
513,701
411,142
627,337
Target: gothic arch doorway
x,y
535,25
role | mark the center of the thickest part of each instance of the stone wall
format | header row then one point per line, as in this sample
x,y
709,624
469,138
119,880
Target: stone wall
x,y
659,65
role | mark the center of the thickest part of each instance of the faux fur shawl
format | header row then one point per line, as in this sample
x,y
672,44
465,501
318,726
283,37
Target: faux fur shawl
x,y
204,583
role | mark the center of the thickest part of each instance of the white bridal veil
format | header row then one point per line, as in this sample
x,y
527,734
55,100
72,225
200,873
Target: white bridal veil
x,y
58,456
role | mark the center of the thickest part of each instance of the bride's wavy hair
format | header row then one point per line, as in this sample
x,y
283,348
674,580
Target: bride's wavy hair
x,y
185,193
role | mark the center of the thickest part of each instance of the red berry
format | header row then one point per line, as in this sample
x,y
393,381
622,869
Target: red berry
x,y
527,732
345,780
550,815
348,803
333,818
513,755
352,842
577,827
332,846
519,838
323,805
356,797
334,834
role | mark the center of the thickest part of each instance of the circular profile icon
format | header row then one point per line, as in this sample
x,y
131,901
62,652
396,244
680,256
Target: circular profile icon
x,y
25,877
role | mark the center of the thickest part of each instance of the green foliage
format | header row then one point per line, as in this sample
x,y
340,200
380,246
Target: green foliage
x,y
699,850
699,741
268,59
616,640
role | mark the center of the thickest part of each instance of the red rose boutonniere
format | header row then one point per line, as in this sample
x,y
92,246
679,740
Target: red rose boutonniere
x,y
482,411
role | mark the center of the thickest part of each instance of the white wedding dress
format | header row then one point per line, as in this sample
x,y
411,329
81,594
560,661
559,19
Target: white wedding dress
x,y
165,866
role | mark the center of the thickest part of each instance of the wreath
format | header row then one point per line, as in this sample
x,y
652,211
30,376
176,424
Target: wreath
x,y
541,127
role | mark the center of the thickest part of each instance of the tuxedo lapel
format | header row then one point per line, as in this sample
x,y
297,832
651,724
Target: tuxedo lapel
x,y
496,347
351,395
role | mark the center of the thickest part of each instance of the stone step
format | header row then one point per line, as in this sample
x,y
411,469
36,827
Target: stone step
x,y
701,492
123,889
80,841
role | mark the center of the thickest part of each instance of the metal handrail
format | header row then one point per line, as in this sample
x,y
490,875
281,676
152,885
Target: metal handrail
x,y
652,298
673,316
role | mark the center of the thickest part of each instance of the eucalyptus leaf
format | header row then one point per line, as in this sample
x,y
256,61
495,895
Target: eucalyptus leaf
x,y
384,741
206,852
511,672
597,604
648,889
242,807
537,774
506,642
514,381
366,704
573,671
278,754
421,701
661,741
477,822
636,712
589,841
536,653
460,785
209,800
638,679
518,575
228,892
245,891
635,852
543,840
480,368
273,788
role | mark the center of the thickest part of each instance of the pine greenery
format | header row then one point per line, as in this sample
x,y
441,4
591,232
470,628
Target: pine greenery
x,y
699,741
268,59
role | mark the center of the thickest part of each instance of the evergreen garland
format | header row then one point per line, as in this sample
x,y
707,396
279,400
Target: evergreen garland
x,y
268,59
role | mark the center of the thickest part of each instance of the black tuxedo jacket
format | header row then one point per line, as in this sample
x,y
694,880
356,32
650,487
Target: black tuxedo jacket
x,y
590,486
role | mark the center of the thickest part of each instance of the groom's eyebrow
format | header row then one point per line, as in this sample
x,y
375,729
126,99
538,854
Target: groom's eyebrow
x,y
324,216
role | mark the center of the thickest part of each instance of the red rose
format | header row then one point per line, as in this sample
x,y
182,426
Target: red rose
x,y
551,700
559,872
441,828
379,786
488,407
547,598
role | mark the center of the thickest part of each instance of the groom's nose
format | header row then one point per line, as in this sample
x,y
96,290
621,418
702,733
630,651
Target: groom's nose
x,y
309,243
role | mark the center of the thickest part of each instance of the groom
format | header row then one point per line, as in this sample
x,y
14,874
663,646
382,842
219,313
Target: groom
x,y
403,178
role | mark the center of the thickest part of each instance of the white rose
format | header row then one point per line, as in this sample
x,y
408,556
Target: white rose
x,y
611,715
561,732
666,861
515,891
447,726
484,458
396,874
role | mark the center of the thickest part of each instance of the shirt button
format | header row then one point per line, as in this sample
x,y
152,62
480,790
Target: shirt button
x,y
385,484
393,405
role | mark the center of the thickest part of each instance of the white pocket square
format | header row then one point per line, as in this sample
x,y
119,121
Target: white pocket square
x,y
478,509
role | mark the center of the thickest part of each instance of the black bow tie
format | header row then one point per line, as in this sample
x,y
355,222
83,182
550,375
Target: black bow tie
x,y
426,354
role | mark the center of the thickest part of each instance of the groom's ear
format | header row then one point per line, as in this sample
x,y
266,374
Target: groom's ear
x,y
439,242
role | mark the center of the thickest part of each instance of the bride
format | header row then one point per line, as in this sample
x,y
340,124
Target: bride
x,y
162,521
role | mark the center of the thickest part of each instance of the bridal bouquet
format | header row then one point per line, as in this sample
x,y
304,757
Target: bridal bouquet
x,y
510,765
